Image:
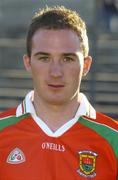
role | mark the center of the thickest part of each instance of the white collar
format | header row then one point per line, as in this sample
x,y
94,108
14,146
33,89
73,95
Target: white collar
x,y
27,107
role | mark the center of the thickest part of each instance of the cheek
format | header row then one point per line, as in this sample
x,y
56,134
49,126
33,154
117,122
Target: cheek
x,y
75,77
38,70
40,76
76,72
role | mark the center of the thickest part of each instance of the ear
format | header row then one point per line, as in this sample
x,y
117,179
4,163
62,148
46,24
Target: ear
x,y
87,65
27,64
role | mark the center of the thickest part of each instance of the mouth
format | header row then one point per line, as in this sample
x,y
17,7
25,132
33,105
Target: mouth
x,y
56,86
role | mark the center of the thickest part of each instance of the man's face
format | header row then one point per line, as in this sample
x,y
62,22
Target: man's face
x,y
56,65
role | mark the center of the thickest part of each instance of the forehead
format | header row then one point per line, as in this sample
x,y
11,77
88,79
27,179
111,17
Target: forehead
x,y
58,40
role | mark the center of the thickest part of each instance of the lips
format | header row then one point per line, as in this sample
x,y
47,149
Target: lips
x,y
56,86
53,85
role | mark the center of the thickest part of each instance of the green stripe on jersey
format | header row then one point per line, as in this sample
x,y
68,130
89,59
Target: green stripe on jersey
x,y
108,133
10,120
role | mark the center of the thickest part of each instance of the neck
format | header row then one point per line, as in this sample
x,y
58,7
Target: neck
x,y
56,115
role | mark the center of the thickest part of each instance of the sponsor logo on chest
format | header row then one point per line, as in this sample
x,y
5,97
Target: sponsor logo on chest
x,y
53,146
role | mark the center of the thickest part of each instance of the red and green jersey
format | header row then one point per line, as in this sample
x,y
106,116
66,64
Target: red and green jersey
x,y
87,150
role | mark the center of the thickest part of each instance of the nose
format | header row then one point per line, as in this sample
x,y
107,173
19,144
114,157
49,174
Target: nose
x,y
56,69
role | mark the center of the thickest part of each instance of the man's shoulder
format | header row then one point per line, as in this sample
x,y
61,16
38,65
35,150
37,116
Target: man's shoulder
x,y
104,120
104,117
8,118
107,121
106,127
7,113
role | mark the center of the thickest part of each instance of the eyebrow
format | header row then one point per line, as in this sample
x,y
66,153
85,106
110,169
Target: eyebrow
x,y
47,54
42,53
69,54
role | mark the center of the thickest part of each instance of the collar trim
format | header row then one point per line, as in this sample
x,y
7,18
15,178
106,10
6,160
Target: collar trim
x,y
85,109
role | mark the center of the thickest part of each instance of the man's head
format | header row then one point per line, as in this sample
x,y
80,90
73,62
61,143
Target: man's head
x,y
57,55
57,18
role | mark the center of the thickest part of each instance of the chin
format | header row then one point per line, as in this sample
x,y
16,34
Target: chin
x,y
57,101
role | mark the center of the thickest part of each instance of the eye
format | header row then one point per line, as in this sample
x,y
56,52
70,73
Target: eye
x,y
68,59
44,58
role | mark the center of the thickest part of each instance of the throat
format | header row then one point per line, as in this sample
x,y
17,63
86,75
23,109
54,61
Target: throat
x,y
55,117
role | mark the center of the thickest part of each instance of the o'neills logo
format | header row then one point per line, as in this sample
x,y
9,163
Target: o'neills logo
x,y
53,146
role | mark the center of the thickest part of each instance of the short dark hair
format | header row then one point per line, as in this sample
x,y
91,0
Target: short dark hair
x,y
58,17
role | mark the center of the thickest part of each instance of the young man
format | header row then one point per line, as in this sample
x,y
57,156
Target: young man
x,y
55,134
